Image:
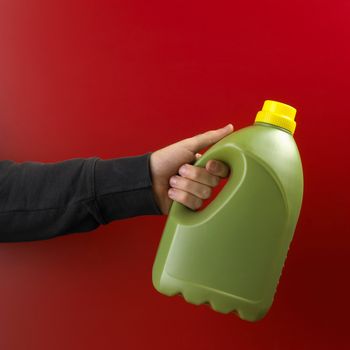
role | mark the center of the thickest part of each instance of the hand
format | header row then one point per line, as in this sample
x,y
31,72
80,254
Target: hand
x,y
194,183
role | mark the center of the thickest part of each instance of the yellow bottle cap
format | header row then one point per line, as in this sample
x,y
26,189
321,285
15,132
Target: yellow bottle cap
x,y
279,114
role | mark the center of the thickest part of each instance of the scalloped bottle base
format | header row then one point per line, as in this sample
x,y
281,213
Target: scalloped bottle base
x,y
218,301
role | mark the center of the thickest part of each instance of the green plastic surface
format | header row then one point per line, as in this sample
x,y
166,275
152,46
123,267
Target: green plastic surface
x,y
231,254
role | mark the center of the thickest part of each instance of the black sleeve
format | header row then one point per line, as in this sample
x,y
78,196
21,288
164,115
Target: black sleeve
x,y
44,200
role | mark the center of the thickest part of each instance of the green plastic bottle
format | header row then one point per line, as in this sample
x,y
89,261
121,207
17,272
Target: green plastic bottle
x,y
231,253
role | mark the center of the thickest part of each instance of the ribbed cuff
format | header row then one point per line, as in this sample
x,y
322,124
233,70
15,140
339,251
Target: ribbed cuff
x,y
123,188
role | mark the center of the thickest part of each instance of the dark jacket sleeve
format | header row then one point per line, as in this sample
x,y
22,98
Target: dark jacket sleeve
x,y
44,200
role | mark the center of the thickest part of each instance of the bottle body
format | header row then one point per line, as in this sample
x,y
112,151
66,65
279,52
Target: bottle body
x,y
231,253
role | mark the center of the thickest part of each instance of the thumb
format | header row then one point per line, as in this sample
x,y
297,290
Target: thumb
x,y
198,142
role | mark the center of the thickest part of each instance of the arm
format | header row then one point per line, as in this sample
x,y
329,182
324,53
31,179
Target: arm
x,y
44,200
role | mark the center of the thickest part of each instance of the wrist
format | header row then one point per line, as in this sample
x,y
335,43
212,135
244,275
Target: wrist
x,y
158,185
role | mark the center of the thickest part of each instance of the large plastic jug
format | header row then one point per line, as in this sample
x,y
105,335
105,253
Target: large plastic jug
x,y
231,253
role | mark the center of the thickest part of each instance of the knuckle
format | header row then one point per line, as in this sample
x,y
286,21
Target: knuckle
x,y
210,135
194,171
186,184
194,141
185,197
190,171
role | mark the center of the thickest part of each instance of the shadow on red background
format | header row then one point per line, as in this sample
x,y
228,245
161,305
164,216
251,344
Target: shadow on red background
x,y
121,78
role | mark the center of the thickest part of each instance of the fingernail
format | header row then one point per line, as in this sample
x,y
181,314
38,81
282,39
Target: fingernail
x,y
229,126
171,193
183,170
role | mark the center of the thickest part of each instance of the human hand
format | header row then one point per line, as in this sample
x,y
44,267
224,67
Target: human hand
x,y
194,183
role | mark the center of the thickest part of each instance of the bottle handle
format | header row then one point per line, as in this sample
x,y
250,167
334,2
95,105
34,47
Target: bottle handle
x,y
236,161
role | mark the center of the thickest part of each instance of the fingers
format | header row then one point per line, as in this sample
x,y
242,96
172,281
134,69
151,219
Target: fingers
x,y
199,174
208,138
185,198
197,189
194,184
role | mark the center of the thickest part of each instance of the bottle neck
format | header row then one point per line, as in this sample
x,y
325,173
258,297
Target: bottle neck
x,y
274,126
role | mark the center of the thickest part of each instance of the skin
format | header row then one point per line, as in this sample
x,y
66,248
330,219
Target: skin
x,y
174,178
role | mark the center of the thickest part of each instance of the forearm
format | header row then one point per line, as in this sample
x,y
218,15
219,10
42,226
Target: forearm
x,y
44,200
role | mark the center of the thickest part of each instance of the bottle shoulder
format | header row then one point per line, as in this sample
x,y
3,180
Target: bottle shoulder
x,y
277,151
272,145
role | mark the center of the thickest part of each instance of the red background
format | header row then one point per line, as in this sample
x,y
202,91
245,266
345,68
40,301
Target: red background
x,y
121,78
